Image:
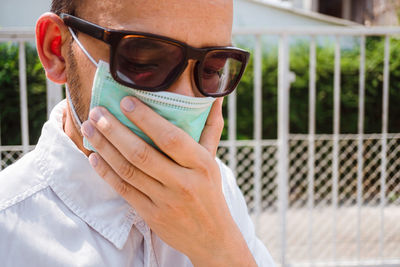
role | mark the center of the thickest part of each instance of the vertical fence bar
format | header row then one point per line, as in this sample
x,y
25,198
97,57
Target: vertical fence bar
x,y
53,94
23,97
336,132
360,150
1,150
385,111
311,144
257,128
232,131
283,138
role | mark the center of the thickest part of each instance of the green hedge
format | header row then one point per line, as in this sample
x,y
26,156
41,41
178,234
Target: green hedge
x,y
9,91
299,64
9,94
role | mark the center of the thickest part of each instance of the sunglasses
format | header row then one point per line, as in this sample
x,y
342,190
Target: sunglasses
x,y
151,62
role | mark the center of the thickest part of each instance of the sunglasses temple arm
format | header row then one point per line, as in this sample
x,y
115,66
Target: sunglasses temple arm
x,y
82,47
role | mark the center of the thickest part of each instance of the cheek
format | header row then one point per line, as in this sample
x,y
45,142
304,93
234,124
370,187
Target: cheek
x,y
84,67
86,76
80,78
86,71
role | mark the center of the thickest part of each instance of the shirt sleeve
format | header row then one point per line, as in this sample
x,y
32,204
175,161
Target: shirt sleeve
x,y
239,212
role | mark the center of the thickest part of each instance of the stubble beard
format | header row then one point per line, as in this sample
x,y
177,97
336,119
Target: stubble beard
x,y
74,85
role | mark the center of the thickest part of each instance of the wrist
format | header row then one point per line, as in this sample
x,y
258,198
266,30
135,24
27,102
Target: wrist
x,y
230,252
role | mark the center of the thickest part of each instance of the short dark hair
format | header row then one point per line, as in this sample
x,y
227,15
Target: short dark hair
x,y
63,6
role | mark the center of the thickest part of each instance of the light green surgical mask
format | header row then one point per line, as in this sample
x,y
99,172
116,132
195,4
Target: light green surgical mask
x,y
188,113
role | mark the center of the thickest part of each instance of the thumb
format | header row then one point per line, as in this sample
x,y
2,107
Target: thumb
x,y
213,128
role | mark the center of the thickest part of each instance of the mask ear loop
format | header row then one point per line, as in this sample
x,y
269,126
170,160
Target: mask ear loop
x,y
82,47
78,121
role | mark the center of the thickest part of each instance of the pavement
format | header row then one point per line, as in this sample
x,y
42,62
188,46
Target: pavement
x,y
334,235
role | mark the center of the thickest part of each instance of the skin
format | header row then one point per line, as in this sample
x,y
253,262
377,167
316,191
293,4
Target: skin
x,y
179,196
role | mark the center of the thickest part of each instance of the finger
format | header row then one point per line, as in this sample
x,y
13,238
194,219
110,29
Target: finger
x,y
213,128
172,140
133,148
121,166
133,196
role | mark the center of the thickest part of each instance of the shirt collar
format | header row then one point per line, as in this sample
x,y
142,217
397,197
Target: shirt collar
x,y
71,177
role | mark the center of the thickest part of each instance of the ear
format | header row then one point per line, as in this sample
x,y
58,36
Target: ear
x,y
51,37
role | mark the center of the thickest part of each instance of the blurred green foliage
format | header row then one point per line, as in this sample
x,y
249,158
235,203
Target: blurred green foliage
x,y
299,93
10,121
299,60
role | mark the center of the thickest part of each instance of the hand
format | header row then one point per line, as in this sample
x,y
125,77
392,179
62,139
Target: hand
x,y
179,196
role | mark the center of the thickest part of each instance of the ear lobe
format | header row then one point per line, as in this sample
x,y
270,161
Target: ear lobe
x,y
51,34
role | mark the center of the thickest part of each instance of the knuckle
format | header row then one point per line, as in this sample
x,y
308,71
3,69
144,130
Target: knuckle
x,y
220,123
203,165
203,170
187,190
170,139
205,174
207,169
102,170
105,127
140,154
127,171
122,188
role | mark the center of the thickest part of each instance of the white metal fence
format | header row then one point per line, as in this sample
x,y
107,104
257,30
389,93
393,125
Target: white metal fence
x,y
316,200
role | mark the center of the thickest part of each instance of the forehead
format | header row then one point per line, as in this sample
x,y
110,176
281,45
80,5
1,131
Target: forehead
x,y
198,23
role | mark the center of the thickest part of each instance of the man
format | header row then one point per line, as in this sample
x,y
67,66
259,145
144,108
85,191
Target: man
x,y
127,187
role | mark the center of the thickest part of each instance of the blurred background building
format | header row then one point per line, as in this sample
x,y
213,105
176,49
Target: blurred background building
x,y
22,13
367,12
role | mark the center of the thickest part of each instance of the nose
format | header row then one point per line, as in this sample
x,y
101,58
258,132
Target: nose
x,y
185,84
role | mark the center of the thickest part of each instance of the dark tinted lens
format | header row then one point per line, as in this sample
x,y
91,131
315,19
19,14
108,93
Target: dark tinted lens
x,y
146,62
220,72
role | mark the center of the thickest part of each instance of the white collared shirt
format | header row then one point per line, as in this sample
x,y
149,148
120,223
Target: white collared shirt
x,y
56,211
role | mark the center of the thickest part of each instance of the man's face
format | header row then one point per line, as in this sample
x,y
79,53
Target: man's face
x,y
199,23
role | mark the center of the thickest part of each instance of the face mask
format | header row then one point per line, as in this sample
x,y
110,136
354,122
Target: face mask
x,y
187,113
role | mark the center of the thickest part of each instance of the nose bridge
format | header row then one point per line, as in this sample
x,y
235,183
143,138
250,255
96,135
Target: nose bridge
x,y
195,53
185,84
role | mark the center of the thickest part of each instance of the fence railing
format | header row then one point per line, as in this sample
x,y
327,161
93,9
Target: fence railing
x,y
54,94
283,144
323,200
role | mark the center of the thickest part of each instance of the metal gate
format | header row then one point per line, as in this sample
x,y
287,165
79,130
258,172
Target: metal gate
x,y
316,200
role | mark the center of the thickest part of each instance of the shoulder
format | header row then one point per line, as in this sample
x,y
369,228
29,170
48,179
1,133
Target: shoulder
x,y
238,208
228,179
233,195
21,180
234,198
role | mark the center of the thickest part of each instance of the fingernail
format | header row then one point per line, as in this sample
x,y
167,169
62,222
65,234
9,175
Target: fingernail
x,y
87,129
96,114
127,104
93,159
